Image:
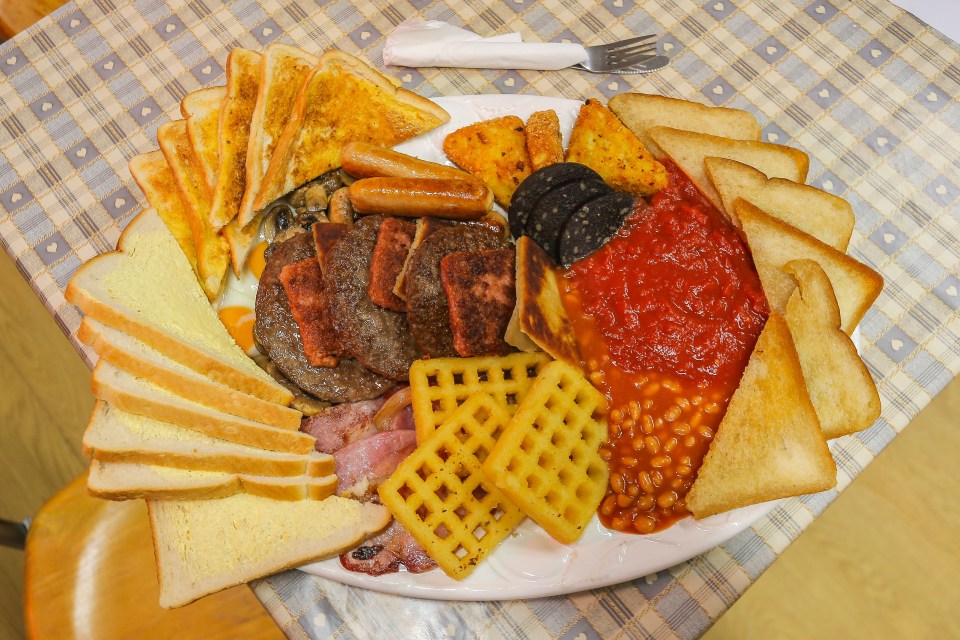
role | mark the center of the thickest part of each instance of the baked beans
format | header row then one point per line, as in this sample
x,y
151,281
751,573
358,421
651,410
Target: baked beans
x,y
656,445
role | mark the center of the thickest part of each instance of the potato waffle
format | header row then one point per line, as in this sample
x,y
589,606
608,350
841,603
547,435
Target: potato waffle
x,y
440,385
440,496
547,459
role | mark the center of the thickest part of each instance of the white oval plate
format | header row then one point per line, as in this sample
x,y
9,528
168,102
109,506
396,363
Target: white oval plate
x,y
531,564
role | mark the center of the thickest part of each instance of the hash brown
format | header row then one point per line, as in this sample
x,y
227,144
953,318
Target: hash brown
x,y
495,151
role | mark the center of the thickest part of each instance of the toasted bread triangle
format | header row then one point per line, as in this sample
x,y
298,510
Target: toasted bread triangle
x,y
283,69
342,100
841,389
773,243
769,444
201,109
233,134
155,178
826,217
688,151
213,254
641,111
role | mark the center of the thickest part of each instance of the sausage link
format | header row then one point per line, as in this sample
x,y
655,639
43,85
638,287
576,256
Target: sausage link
x,y
365,160
413,197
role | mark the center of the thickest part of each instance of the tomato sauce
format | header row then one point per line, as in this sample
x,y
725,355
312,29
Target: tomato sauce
x,y
669,311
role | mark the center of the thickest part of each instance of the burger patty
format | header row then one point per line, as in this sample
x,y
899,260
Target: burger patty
x,y
427,308
278,334
377,337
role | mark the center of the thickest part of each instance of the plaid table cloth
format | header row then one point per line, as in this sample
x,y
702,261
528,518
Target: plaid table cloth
x,y
867,90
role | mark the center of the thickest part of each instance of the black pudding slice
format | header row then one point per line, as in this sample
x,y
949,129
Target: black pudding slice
x,y
592,225
549,217
530,191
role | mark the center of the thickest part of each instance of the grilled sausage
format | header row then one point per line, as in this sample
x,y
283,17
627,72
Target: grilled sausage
x,y
365,160
413,197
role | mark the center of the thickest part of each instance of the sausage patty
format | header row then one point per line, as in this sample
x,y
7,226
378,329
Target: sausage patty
x,y
277,332
377,337
427,308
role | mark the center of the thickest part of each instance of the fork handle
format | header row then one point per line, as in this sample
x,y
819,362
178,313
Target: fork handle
x,y
543,56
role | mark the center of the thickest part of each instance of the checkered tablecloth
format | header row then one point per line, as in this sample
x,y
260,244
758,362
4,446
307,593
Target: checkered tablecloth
x,y
864,88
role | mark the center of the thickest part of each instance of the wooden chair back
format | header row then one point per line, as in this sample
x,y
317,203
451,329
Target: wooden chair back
x,y
90,573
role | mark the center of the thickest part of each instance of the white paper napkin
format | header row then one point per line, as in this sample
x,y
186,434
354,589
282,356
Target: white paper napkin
x,y
418,43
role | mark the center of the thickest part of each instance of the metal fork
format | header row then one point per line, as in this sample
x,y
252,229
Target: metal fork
x,y
624,56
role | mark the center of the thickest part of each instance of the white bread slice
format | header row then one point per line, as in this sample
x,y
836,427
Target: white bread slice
x,y
773,243
688,151
641,111
769,444
233,134
134,480
113,435
155,178
142,361
196,558
136,395
201,109
826,217
147,290
213,253
342,100
283,70
841,389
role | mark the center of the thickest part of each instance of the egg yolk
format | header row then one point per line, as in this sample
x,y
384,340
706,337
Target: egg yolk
x,y
239,323
256,261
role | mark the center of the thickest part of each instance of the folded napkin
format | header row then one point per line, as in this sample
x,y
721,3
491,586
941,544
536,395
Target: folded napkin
x,y
432,43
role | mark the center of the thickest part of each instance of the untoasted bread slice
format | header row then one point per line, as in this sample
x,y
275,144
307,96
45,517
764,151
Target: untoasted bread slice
x,y
134,480
194,558
823,215
343,100
774,243
688,151
600,141
201,109
147,290
544,141
135,395
540,312
283,70
769,444
233,134
495,151
641,111
155,178
213,253
137,358
841,389
113,435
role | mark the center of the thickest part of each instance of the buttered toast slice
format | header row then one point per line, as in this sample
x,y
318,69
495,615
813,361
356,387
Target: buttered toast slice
x,y
137,358
641,111
133,480
195,558
213,254
155,178
147,290
342,100
136,395
688,151
283,70
201,109
243,83
114,435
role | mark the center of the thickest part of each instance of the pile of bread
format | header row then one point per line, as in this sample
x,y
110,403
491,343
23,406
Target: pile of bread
x,y
184,418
